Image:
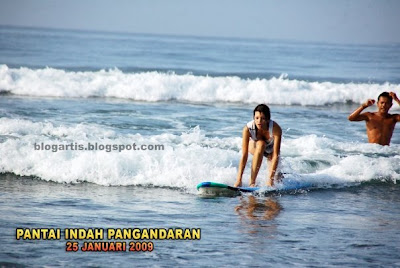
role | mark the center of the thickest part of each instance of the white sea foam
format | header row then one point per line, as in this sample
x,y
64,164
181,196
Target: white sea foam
x,y
155,86
186,160
326,162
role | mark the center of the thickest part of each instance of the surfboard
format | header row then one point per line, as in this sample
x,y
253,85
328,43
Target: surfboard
x,y
209,188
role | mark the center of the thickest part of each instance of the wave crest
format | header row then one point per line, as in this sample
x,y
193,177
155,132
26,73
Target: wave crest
x,y
157,86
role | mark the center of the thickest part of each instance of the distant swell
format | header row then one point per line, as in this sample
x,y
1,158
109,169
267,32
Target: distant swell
x,y
157,86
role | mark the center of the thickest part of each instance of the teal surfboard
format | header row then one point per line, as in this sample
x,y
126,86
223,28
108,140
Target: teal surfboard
x,y
209,188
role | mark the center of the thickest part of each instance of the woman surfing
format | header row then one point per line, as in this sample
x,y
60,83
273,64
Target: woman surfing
x,y
262,138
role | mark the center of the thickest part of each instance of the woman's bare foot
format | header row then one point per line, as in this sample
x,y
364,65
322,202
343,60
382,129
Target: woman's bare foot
x,y
238,184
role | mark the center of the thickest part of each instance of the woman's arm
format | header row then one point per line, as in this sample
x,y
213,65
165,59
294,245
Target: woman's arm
x,y
243,159
277,135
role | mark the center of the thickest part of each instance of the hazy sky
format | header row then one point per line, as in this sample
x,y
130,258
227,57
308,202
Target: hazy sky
x,y
343,21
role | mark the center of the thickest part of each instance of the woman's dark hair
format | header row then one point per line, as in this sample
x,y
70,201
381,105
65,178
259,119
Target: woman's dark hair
x,y
262,108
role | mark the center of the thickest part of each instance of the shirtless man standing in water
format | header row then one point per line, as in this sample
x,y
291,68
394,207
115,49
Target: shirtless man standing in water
x,y
380,124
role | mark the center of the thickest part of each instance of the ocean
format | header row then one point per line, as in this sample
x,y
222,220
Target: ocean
x,y
106,131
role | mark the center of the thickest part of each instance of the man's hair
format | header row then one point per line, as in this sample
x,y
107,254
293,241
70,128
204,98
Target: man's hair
x,y
262,108
386,95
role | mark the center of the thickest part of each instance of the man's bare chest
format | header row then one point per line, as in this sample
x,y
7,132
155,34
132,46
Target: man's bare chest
x,y
381,124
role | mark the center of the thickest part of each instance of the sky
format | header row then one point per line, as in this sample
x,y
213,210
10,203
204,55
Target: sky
x,y
334,21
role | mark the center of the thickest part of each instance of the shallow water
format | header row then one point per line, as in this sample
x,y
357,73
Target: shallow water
x,y
349,226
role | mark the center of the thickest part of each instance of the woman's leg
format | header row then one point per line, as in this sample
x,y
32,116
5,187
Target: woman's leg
x,y
258,154
278,174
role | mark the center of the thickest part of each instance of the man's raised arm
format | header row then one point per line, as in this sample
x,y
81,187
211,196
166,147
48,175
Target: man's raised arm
x,y
357,116
394,96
